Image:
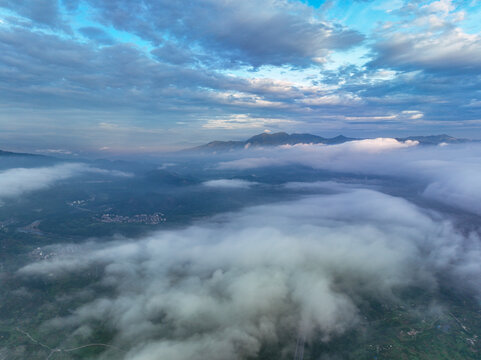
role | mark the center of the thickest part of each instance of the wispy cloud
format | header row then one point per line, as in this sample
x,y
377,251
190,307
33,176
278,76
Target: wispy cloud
x,y
229,184
242,121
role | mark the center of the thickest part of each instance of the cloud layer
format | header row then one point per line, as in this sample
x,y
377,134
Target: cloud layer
x,y
189,72
449,174
225,288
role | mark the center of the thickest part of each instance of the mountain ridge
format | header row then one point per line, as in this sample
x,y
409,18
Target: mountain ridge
x,y
283,138
11,153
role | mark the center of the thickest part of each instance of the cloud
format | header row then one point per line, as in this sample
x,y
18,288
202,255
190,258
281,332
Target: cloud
x,y
96,34
378,145
77,74
55,151
242,121
436,42
452,51
404,116
430,56
18,181
306,153
116,173
41,12
229,184
449,174
332,100
223,288
326,186
247,32
172,65
455,184
173,53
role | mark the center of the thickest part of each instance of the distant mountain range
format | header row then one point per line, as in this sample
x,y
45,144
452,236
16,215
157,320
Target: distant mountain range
x,y
435,139
10,153
282,138
275,139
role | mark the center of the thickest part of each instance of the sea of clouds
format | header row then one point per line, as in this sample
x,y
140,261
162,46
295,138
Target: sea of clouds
x,y
451,173
224,287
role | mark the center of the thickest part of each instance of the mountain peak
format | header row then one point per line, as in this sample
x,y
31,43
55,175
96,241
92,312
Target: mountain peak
x,y
268,138
271,139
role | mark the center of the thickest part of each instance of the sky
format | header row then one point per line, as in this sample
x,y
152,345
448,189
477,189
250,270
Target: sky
x,y
113,77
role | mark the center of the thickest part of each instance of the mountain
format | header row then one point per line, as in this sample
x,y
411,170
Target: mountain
x,y
9,153
10,159
268,139
282,138
435,139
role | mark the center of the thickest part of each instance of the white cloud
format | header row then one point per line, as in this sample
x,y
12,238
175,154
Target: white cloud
x,y
305,153
378,145
404,116
221,289
435,43
335,99
451,174
17,181
55,151
229,183
412,114
443,6
242,121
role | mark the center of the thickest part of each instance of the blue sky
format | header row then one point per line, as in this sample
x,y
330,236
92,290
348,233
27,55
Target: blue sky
x,y
97,76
